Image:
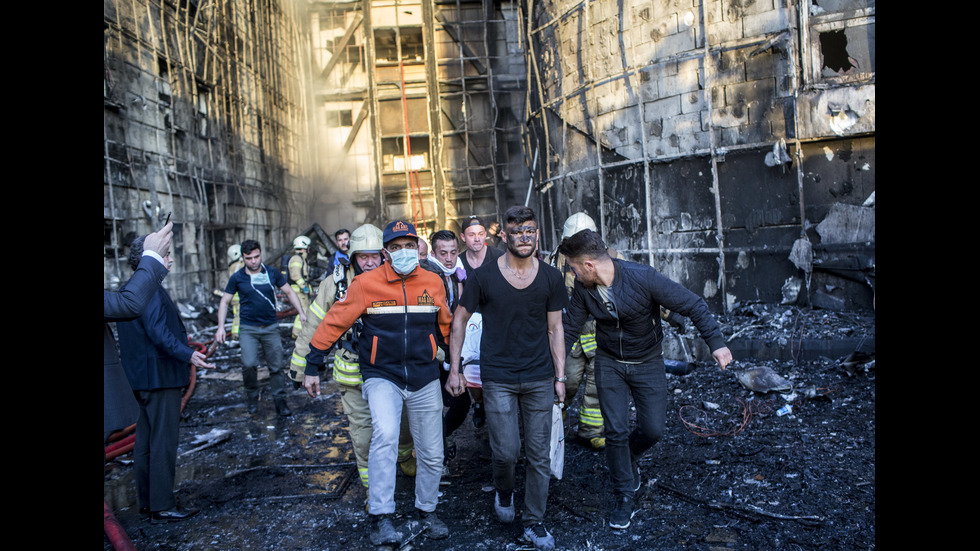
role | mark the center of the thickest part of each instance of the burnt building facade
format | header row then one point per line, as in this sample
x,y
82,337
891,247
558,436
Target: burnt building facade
x,y
729,143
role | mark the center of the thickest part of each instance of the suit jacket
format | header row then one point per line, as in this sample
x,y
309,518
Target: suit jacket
x,y
121,409
154,348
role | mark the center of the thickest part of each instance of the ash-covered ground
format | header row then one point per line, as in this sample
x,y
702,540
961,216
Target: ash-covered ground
x,y
730,473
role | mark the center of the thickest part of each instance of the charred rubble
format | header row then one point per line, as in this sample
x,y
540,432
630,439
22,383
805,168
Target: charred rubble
x,y
792,467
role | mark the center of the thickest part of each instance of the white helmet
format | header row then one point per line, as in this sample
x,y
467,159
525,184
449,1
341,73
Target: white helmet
x,y
302,242
366,239
576,223
234,253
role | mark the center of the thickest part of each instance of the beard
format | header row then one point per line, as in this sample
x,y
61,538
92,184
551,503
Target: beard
x,y
512,247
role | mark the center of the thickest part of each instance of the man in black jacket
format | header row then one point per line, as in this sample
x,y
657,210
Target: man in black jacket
x,y
625,299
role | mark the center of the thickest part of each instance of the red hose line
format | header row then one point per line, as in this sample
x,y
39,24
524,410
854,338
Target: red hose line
x,y
114,531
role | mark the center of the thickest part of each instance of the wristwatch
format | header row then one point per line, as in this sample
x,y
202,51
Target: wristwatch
x,y
561,379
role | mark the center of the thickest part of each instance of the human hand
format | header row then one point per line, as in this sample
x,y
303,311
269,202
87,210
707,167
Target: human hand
x,y
200,360
159,241
455,383
723,356
312,385
560,391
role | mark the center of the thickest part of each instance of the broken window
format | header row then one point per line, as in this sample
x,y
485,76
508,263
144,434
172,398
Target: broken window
x,y
203,95
393,154
340,119
842,40
388,42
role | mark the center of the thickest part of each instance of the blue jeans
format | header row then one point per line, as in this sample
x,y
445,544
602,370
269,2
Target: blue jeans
x,y
616,382
532,402
252,338
386,400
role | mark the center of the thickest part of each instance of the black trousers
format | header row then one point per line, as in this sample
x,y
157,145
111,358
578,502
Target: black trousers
x,y
155,451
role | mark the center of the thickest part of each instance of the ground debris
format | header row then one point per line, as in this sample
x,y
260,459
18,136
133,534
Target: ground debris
x,y
801,481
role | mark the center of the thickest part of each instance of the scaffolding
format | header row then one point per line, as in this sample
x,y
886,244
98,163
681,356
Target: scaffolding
x,y
420,129
205,117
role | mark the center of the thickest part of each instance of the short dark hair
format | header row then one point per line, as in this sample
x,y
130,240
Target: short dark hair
x,y
136,252
250,245
340,232
520,214
443,235
585,243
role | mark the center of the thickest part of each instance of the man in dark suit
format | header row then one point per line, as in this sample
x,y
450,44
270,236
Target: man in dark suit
x,y
120,409
155,355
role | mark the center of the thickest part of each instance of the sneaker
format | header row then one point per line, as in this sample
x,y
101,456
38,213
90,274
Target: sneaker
x,y
408,466
505,513
637,480
479,416
539,536
622,513
384,532
435,528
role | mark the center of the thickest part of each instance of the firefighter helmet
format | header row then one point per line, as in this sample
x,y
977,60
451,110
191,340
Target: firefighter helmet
x,y
576,223
301,242
365,239
234,253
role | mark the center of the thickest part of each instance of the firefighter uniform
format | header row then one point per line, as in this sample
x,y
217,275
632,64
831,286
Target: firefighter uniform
x,y
579,366
299,272
235,263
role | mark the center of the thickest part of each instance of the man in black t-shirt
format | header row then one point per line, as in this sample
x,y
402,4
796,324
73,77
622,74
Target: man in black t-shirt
x,y
522,365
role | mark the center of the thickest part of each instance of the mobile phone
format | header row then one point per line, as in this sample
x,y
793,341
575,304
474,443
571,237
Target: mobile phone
x,y
168,217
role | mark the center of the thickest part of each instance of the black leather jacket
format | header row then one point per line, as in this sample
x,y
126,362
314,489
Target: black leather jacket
x,y
634,332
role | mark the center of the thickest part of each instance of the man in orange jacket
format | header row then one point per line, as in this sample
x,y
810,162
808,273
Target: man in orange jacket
x,y
406,321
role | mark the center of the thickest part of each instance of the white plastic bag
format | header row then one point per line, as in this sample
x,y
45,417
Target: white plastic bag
x,y
471,351
557,443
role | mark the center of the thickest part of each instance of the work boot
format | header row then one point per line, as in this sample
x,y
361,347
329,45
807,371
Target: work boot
x,y
503,505
408,466
479,416
539,536
597,442
252,404
435,528
622,513
282,408
383,532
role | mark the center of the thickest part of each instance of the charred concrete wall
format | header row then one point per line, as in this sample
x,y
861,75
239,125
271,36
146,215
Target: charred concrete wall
x,y
205,117
710,137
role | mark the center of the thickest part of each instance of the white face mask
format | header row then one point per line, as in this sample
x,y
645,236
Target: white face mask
x,y
403,261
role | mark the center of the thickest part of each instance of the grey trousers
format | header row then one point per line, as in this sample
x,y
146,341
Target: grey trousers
x,y
252,339
532,402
